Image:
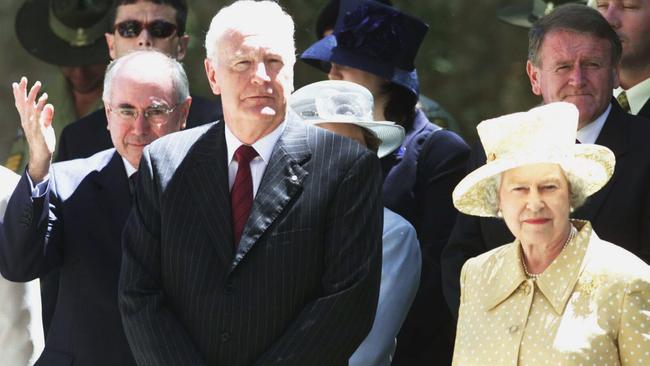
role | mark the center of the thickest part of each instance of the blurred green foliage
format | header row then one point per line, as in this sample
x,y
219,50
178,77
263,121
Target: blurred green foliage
x,y
469,62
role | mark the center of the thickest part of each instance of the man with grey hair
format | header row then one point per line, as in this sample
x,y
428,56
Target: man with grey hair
x,y
69,216
573,56
257,239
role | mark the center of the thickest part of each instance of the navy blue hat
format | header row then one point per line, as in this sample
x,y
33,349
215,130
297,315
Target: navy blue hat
x,y
372,37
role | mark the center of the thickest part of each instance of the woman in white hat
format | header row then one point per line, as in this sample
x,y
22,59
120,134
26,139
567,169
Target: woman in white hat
x,y
557,295
345,108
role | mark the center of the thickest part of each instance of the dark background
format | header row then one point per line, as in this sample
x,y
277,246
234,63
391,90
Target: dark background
x,y
470,62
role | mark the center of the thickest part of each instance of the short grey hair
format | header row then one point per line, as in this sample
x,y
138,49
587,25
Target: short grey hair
x,y
258,16
577,190
150,58
576,18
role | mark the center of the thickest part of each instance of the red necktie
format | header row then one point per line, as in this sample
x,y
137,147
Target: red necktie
x,y
241,195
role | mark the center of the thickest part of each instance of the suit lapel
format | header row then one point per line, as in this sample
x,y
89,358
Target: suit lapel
x,y
282,182
114,197
209,178
614,136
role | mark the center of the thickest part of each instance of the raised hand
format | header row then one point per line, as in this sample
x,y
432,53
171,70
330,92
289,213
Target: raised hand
x,y
36,121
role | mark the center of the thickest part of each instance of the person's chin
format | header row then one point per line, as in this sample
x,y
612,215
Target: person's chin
x,y
535,235
137,146
262,112
586,105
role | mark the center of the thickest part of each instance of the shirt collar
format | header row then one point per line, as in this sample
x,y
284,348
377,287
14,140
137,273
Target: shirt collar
x,y
263,146
556,282
637,95
589,133
129,168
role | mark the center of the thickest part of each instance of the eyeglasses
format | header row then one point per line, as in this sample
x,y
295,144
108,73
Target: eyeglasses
x,y
156,28
156,116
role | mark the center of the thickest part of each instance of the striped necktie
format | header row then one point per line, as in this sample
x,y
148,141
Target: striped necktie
x,y
241,195
622,100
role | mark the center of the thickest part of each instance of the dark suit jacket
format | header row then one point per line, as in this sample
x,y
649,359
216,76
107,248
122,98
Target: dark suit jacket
x,y
89,135
302,287
619,212
75,228
419,178
645,111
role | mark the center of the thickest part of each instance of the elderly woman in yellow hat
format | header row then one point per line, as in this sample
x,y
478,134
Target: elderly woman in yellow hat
x,y
557,295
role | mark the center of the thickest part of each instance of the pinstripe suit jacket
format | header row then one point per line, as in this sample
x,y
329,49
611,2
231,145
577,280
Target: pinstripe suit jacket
x,y
302,287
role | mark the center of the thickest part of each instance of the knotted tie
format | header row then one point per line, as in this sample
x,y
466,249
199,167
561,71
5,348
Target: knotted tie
x,y
241,195
622,100
133,180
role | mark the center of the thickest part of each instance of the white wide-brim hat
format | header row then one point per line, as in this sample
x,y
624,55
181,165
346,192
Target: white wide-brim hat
x,y
338,101
545,134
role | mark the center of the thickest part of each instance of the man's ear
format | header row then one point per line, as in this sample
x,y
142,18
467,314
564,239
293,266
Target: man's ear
x,y
185,110
211,73
110,40
108,117
533,76
181,48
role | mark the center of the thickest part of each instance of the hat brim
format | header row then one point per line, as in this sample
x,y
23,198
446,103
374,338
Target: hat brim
x,y
520,15
322,53
390,134
587,167
35,35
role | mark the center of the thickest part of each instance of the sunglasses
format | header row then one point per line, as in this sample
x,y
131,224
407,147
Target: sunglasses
x,y
157,28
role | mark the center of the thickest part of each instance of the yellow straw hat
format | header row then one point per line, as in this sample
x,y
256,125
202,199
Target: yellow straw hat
x,y
545,134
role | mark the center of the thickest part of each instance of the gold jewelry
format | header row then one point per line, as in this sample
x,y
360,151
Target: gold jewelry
x,y
534,276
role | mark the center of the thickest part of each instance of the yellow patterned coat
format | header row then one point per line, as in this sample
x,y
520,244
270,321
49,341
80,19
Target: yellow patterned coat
x,y
591,306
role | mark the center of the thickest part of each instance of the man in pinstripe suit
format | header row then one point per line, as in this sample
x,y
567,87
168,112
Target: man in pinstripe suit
x,y
300,285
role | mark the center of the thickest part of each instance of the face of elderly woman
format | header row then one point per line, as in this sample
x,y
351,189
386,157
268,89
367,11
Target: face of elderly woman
x,y
534,201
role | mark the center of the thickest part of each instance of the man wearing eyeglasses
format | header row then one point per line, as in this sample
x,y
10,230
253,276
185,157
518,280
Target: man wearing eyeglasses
x,y
137,24
69,216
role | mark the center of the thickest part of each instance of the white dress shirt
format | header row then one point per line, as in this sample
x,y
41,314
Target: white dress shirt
x,y
589,133
264,148
637,96
130,170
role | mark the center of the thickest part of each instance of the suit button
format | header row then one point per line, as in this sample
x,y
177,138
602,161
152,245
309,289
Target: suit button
x,y
513,329
228,289
225,337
